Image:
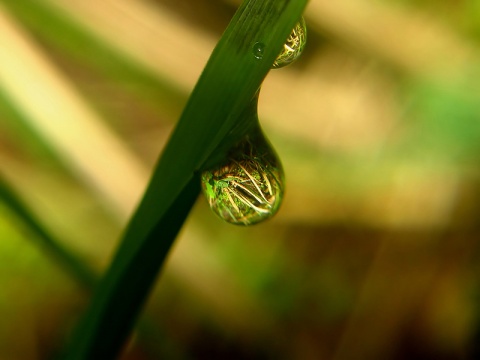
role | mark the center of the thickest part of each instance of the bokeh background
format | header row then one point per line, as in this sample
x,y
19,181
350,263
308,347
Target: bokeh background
x,y
374,253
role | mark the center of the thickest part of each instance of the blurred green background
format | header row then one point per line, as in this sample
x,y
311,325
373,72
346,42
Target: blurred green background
x,y
373,254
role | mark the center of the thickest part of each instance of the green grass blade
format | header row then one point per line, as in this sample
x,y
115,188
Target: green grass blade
x,y
110,318
225,89
71,39
79,271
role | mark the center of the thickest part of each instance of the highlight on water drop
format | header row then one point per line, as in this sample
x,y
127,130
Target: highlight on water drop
x,y
294,45
258,50
247,187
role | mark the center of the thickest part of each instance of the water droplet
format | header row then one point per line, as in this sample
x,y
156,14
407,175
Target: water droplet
x,y
247,187
294,45
258,50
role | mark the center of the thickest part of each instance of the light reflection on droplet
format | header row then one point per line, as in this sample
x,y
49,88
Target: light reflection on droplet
x,y
247,187
294,45
258,50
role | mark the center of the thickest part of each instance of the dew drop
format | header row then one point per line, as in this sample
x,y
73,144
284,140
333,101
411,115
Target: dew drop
x,y
258,50
294,45
247,187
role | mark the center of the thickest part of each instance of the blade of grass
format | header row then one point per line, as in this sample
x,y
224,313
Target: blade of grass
x,y
62,118
226,87
68,37
86,277
80,272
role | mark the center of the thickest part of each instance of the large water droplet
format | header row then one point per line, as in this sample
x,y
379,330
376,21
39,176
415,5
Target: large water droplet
x,y
247,187
258,50
294,45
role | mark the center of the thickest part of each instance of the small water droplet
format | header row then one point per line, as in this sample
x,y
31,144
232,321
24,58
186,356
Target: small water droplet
x,y
247,187
258,50
294,45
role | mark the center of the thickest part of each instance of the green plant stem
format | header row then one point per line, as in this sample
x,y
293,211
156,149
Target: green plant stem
x,y
80,272
227,85
114,327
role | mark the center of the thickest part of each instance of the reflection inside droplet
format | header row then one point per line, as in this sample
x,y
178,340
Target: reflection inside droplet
x,y
294,45
247,187
258,50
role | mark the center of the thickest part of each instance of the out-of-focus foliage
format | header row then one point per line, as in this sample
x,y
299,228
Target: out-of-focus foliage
x,y
374,252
